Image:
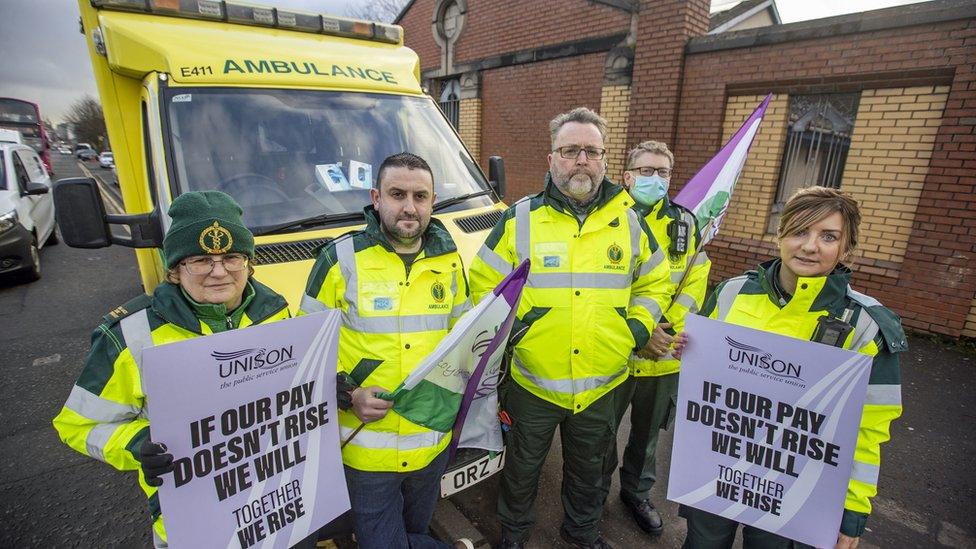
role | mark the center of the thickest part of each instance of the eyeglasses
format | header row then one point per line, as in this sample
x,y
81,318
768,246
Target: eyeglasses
x,y
648,171
571,152
205,264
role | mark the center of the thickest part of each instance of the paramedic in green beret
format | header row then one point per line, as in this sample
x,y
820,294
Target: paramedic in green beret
x,y
209,289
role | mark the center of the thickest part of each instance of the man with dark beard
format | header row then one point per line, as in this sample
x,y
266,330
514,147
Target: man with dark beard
x,y
400,286
595,291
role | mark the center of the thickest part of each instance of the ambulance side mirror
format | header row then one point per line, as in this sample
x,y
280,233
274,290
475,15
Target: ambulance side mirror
x,y
496,175
80,212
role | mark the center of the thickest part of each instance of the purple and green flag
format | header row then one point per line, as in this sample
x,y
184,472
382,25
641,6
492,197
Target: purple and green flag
x,y
708,193
455,386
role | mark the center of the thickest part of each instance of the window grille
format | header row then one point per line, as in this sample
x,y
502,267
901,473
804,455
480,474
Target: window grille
x,y
817,142
451,101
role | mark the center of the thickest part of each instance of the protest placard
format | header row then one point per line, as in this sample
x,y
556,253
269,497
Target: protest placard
x,y
766,427
250,418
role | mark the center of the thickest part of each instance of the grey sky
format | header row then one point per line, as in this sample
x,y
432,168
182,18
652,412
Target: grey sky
x,y
43,57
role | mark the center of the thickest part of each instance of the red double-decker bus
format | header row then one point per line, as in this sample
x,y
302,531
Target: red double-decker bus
x,y
24,117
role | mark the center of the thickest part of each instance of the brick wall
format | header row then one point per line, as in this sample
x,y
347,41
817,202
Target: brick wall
x,y
522,99
933,286
494,28
890,152
921,199
469,127
663,28
614,107
417,33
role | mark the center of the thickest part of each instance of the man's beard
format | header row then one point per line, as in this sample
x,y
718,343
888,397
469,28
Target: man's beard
x,y
403,236
578,185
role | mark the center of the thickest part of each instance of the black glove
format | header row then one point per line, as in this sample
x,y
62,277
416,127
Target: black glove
x,y
155,461
344,388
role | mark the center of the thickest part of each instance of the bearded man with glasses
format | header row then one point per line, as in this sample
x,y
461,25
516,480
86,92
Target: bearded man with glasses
x,y
209,289
594,294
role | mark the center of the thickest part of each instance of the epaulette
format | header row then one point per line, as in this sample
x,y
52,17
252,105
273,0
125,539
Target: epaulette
x,y
134,305
888,322
682,211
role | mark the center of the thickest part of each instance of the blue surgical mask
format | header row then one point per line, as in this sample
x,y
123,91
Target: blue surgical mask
x,y
649,189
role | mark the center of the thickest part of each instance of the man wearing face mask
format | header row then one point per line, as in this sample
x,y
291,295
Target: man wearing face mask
x,y
597,286
652,386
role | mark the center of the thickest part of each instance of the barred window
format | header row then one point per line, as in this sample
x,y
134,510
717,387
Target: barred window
x,y
450,100
817,142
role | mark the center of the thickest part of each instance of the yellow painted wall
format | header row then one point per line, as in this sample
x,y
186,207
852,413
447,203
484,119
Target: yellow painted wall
x,y
890,150
753,198
615,108
469,126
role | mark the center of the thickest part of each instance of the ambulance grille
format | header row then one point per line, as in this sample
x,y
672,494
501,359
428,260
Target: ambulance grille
x,y
283,252
480,222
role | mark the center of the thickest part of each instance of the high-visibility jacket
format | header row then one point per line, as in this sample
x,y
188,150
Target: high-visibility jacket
x,y
755,300
104,416
391,321
596,289
689,297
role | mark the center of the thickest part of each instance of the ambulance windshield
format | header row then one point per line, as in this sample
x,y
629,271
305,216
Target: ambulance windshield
x,y
289,155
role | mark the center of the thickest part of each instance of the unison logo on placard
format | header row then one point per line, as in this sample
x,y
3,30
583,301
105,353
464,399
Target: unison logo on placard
x,y
747,355
246,360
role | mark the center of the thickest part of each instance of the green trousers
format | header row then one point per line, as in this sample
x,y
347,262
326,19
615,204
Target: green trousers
x,y
585,437
651,403
710,531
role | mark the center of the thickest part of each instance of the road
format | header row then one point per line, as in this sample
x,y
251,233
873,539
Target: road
x,y
52,496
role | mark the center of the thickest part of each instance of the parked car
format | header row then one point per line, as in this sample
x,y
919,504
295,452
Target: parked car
x,y
87,154
106,159
26,211
64,149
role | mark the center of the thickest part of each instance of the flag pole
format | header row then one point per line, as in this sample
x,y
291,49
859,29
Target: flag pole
x,y
353,435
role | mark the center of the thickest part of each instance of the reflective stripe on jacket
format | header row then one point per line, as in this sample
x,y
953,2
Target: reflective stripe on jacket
x,y
391,321
104,416
752,300
595,291
691,295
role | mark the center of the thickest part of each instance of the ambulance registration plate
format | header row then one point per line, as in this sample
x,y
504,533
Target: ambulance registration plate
x,y
456,480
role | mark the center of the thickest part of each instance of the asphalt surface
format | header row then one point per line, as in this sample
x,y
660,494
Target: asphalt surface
x,y
51,496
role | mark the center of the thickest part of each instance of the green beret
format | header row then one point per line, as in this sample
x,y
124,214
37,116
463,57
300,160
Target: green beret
x,y
205,223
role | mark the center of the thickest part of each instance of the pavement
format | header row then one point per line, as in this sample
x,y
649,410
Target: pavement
x,y
51,496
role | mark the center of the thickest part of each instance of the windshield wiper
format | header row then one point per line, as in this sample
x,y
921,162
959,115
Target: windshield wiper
x,y
313,221
459,199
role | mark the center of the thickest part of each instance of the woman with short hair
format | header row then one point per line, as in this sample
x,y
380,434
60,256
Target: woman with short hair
x,y
799,294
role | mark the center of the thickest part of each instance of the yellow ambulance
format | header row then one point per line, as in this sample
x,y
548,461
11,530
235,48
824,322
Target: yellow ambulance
x,y
290,113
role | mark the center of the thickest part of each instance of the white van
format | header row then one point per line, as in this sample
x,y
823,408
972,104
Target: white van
x,y
26,211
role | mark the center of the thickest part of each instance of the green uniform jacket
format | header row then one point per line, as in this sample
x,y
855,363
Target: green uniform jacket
x,y
690,297
754,300
104,416
595,291
391,321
